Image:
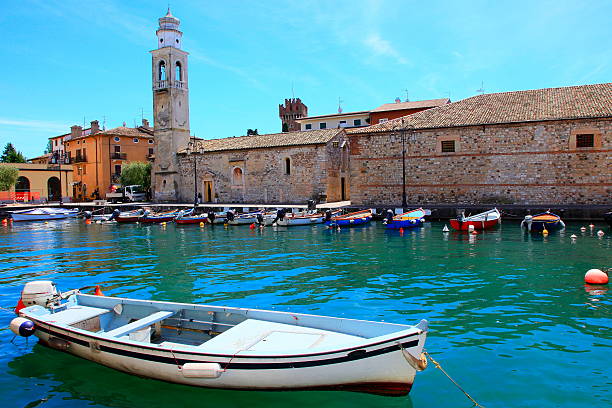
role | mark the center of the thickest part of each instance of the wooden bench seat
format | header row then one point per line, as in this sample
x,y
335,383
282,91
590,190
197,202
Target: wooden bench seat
x,y
139,324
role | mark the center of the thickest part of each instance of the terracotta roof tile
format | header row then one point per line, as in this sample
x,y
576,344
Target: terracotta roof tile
x,y
574,102
319,136
431,103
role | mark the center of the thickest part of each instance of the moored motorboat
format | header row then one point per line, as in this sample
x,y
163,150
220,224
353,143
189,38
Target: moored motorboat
x,y
166,216
182,219
545,221
127,216
409,219
305,218
43,214
351,219
482,221
245,219
225,347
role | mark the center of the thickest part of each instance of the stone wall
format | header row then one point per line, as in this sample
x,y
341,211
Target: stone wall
x,y
528,163
315,172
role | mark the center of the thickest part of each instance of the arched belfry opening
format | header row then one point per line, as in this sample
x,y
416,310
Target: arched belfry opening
x,y
161,71
178,76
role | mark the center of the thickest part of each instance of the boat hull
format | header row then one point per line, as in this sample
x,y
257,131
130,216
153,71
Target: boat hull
x,y
477,225
411,223
20,216
191,220
379,365
125,220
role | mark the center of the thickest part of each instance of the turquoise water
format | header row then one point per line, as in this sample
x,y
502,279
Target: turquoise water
x,y
510,317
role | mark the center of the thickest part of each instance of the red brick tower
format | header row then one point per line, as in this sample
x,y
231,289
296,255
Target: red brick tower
x,y
292,110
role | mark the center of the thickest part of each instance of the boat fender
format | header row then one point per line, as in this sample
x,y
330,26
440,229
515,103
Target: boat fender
x,y
201,370
412,221
22,327
593,277
118,308
582,229
58,344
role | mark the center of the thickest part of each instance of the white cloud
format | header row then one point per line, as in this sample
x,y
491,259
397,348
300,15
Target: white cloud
x,y
35,124
383,48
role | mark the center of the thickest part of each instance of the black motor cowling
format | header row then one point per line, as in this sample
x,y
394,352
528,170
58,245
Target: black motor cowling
x,y
230,215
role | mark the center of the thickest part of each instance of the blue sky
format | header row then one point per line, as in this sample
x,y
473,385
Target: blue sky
x,y
69,61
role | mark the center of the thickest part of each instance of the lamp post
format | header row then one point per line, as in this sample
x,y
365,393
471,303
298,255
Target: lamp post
x,y
59,157
193,149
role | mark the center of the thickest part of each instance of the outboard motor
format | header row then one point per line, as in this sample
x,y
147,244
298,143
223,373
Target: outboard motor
x,y
388,217
87,215
260,218
211,216
115,213
230,215
328,215
40,293
311,205
280,215
526,223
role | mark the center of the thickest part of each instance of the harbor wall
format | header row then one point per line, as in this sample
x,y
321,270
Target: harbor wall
x,y
535,163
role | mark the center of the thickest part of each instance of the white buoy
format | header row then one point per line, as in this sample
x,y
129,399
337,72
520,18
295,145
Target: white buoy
x,y
582,229
470,228
573,236
591,226
600,233
445,229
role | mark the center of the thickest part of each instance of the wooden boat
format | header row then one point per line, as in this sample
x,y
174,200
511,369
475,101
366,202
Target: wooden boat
x,y
245,219
225,347
166,216
409,219
303,219
127,216
485,220
43,214
351,219
545,221
191,219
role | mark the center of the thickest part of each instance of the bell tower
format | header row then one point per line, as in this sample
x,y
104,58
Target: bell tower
x,y
170,107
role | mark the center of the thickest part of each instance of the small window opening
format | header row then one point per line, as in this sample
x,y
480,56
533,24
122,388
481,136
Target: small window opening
x,y
287,166
178,74
448,146
585,140
162,71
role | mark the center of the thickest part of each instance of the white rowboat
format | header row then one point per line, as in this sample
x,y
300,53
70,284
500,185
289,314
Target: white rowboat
x,y
43,214
226,347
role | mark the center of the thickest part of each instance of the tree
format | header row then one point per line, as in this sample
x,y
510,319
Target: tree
x,y
8,177
136,173
11,155
252,132
49,148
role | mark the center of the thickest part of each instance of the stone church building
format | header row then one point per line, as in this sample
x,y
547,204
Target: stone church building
x,y
291,167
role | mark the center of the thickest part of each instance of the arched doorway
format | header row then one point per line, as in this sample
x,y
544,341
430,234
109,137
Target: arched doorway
x,y
22,189
53,188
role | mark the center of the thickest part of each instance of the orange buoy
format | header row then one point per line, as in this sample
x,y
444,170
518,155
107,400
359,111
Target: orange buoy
x,y
252,226
88,221
19,306
4,221
596,277
98,291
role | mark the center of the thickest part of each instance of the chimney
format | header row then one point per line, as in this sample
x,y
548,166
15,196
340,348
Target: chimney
x,y
145,124
76,131
95,127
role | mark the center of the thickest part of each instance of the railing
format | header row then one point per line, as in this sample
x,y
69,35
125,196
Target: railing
x,y
20,196
164,84
119,156
80,159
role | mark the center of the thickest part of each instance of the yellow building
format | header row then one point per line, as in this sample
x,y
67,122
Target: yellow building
x,y
39,183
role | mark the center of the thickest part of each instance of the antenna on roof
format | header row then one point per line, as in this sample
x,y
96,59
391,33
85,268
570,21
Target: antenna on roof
x,y
340,105
103,122
407,95
292,93
83,121
482,89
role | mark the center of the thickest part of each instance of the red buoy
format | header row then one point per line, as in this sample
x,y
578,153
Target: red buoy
x,y
252,226
98,291
596,277
20,306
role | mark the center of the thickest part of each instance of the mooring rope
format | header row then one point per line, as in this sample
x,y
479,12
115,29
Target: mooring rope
x,y
450,378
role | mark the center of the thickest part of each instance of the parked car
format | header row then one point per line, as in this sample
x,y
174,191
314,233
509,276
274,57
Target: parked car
x,y
127,193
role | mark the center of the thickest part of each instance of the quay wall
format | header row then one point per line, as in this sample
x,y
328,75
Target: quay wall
x,y
534,163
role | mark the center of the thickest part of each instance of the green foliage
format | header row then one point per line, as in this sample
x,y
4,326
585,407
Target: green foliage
x,y
8,177
136,173
11,155
252,132
49,148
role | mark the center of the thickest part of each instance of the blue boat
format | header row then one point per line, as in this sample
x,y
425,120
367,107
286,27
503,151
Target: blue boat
x,y
351,219
545,221
410,219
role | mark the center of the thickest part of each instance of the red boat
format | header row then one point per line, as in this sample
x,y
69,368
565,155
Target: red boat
x,y
485,220
196,219
127,216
